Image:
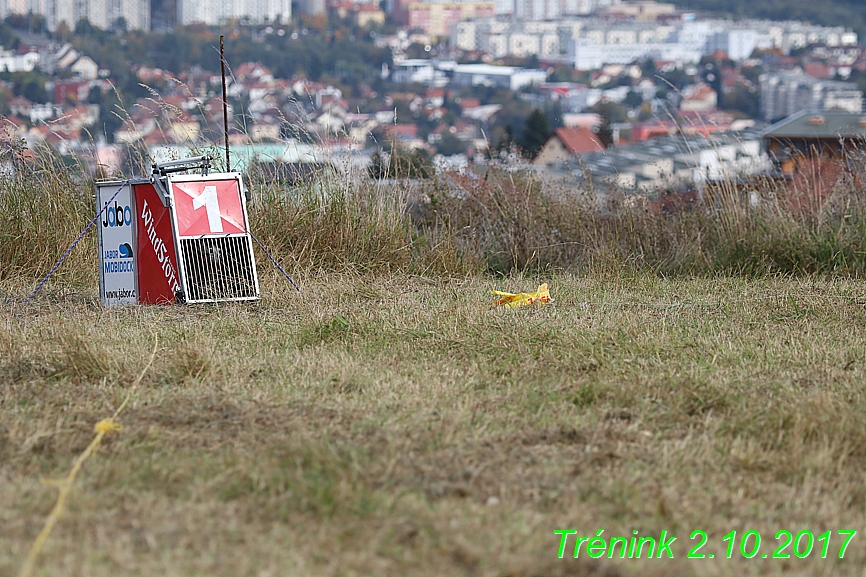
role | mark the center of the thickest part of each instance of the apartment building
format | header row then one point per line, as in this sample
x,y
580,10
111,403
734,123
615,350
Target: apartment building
x,y
105,14
437,18
589,43
214,12
784,94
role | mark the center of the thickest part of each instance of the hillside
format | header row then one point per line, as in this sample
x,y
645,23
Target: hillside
x,y
829,12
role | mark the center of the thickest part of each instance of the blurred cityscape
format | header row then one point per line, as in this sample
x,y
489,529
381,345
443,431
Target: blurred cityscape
x,y
644,94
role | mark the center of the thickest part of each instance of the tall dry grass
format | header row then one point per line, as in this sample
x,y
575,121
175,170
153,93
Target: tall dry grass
x,y
44,204
497,220
508,221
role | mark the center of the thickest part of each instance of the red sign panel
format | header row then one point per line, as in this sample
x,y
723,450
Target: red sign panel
x,y
208,207
158,276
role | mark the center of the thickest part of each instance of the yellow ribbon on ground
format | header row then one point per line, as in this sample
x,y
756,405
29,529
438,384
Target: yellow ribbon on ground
x,y
102,428
514,300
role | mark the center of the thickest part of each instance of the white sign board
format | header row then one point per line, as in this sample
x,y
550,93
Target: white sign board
x,y
116,225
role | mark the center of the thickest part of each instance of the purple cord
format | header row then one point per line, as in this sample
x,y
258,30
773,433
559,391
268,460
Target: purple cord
x,y
77,240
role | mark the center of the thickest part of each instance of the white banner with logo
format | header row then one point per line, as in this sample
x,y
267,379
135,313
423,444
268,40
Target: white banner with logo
x,y
116,241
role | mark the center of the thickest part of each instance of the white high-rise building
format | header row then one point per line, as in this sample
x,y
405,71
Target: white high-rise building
x,y
100,13
215,12
106,13
537,9
785,93
8,7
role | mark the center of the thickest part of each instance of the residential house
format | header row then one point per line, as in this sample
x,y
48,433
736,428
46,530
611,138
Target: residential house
x,y
699,98
565,145
20,106
12,62
130,132
266,130
333,119
368,15
85,67
253,70
677,162
794,141
185,128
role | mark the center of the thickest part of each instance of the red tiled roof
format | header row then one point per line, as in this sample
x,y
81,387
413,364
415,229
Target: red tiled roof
x,y
579,140
817,70
401,129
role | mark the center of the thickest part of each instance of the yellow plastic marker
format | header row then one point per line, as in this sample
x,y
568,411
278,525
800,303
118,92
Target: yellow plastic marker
x,y
512,301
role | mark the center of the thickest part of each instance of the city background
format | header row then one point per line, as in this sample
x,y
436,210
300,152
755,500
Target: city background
x,y
635,91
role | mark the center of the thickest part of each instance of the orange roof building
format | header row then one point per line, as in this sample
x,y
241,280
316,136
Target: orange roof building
x,y
565,144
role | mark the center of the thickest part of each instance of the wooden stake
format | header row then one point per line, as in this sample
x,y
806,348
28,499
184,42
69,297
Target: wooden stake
x,y
225,101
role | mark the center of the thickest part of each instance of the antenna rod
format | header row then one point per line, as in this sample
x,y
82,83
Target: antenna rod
x,y
225,101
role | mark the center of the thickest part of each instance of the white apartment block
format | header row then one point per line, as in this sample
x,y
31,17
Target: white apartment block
x,y
103,14
592,42
8,7
215,12
583,7
784,94
549,9
499,76
739,44
584,54
529,10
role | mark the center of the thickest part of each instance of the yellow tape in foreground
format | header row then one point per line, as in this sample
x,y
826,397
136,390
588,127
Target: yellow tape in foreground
x,y
102,428
512,300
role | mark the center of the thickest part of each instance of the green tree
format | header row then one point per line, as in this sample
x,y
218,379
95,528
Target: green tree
x,y
32,87
401,163
450,145
111,114
610,112
535,132
633,99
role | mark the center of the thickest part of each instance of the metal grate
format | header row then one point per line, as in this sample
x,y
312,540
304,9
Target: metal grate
x,y
218,268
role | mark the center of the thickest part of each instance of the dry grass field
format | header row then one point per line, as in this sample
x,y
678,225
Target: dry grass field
x,y
395,425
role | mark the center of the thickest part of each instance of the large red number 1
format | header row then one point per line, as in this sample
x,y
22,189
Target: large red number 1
x,y
208,199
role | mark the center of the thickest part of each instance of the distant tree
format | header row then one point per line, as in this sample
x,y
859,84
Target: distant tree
x,y
553,111
416,50
450,145
5,98
111,114
32,87
401,163
119,26
8,38
563,73
36,24
62,32
535,132
649,67
83,27
610,112
847,13
633,99
675,79
753,73
501,139
744,100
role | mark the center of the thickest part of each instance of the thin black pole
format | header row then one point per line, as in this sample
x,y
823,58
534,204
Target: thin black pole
x,y
225,101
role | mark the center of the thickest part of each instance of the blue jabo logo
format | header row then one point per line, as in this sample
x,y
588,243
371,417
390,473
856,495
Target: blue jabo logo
x,y
117,216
